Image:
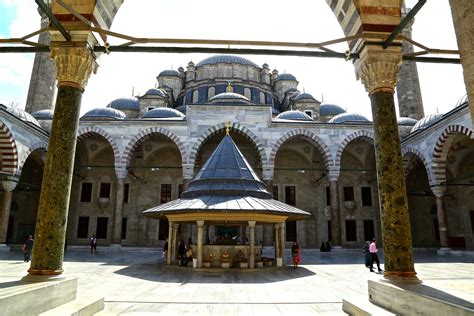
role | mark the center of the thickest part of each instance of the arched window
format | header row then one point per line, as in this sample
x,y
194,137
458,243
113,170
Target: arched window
x,y
262,98
195,96
211,92
248,93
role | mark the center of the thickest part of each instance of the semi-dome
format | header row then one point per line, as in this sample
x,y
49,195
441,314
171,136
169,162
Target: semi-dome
x,y
22,115
127,103
426,121
406,121
330,109
158,92
226,59
229,98
305,97
104,114
169,73
43,115
286,77
294,115
348,118
163,113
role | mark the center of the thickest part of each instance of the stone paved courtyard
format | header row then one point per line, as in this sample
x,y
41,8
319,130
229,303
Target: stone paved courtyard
x,y
137,283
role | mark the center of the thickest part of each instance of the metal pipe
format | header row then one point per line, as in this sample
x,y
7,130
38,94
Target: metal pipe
x,y
53,19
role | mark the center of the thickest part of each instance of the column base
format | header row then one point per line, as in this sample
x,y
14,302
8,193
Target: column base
x,y
43,273
395,277
279,262
34,278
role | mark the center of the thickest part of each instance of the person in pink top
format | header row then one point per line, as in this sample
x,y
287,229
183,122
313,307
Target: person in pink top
x,y
373,255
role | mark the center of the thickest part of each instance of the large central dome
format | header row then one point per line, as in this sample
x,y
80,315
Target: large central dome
x,y
226,59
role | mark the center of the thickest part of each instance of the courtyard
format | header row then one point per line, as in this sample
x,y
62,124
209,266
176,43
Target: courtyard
x,y
136,282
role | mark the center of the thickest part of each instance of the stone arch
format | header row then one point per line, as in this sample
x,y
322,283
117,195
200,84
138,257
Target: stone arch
x,y
406,162
216,129
316,140
347,140
148,133
90,130
9,150
440,151
39,145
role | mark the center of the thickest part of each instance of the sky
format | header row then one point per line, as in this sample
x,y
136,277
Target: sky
x,y
120,74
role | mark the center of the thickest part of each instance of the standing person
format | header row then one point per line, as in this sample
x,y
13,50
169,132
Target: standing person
x,y
188,255
93,244
328,245
27,247
295,254
165,249
367,254
373,256
181,252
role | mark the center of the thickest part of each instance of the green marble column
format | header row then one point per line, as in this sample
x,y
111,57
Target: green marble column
x,y
53,207
396,232
117,223
252,244
336,237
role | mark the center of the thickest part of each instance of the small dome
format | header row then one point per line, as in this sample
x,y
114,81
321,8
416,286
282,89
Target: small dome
x,y
226,59
348,118
22,115
406,121
43,115
104,114
286,77
158,92
162,112
305,97
330,109
294,115
426,121
169,73
130,103
181,108
229,98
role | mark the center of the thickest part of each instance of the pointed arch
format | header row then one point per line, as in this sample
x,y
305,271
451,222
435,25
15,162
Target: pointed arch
x,y
9,150
216,129
148,133
441,149
316,140
407,166
358,134
39,145
87,131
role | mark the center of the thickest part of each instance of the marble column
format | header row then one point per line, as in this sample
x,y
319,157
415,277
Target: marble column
x,y
277,248
74,67
462,12
377,68
336,235
200,225
8,187
252,245
117,224
282,242
175,241
442,217
169,256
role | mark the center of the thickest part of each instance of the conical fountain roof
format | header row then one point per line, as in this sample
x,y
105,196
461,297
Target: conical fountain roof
x,y
227,172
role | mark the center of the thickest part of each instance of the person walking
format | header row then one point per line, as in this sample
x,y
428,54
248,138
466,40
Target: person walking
x,y
373,256
93,245
27,247
165,250
296,254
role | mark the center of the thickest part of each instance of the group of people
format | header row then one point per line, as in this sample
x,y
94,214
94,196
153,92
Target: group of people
x,y
325,246
185,252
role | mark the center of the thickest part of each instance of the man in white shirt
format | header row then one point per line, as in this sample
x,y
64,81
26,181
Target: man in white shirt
x,y
373,255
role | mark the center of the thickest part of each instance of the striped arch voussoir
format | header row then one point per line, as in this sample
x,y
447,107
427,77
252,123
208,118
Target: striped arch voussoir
x,y
40,145
440,151
316,140
146,134
347,140
89,130
407,159
9,150
235,127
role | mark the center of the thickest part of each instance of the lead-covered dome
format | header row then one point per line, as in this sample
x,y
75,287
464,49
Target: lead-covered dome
x,y
229,98
286,77
330,109
349,118
164,113
23,115
169,73
104,114
226,59
426,121
127,103
305,97
406,121
294,115
43,114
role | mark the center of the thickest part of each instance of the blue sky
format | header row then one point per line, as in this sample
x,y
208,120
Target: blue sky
x,y
307,21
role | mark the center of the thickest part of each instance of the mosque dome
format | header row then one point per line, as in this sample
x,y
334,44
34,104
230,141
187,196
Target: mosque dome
x,y
226,59
43,115
286,77
229,98
130,103
330,109
406,121
23,115
294,115
169,73
348,118
158,92
305,97
426,121
163,113
104,114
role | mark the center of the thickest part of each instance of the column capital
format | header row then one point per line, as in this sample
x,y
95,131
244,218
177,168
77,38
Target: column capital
x,y
252,224
10,184
377,68
200,223
438,190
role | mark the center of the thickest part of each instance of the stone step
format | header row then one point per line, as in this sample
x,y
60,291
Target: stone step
x,y
361,306
82,306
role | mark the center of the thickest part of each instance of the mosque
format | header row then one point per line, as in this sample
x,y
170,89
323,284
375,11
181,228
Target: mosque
x,y
139,152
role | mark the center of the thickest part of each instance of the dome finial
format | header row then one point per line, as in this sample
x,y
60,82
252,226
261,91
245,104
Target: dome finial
x,y
229,87
227,127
